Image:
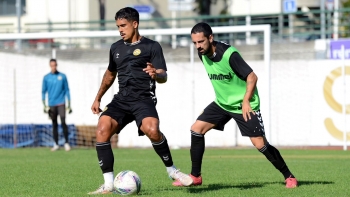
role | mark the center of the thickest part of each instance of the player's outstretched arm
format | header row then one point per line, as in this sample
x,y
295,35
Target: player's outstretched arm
x,y
251,85
107,81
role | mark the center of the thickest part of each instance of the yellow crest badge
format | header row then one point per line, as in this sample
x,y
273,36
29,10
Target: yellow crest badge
x,y
137,52
105,109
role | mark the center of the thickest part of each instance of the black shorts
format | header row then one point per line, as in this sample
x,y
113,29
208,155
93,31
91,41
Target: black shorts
x,y
214,114
54,111
125,112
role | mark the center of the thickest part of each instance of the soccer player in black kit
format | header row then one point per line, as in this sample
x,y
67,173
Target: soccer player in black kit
x,y
139,63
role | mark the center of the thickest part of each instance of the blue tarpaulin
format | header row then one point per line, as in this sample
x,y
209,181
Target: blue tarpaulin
x,y
34,135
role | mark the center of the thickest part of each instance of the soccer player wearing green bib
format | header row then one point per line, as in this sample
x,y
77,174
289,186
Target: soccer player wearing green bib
x,y
237,97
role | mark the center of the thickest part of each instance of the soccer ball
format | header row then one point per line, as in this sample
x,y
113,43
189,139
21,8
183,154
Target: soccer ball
x,y
127,183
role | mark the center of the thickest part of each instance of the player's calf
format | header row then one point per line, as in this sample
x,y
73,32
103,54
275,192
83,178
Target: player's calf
x,y
162,149
274,156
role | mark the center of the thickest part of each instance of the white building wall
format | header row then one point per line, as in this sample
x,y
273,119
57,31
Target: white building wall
x,y
43,11
253,7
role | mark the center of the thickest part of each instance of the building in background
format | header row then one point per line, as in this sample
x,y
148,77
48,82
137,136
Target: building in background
x,y
85,15
88,11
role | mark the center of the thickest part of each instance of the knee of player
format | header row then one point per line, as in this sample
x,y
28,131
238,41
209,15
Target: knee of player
x,y
101,132
149,128
155,137
259,143
197,129
259,146
154,134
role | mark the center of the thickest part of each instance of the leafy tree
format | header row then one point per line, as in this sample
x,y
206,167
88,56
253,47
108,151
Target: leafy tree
x,y
203,8
345,19
102,10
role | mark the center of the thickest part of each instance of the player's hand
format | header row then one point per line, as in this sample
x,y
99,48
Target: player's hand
x,y
46,109
246,110
69,109
95,108
151,70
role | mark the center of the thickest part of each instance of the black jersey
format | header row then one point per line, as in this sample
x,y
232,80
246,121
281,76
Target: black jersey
x,y
129,60
238,65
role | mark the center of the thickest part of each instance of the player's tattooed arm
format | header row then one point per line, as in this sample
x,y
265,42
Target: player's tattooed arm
x,y
250,88
159,75
107,81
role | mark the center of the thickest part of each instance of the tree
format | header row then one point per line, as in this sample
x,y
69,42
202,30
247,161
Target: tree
x,y
203,6
346,3
345,19
102,13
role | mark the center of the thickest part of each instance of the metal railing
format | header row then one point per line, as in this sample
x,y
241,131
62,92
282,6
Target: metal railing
x,y
298,26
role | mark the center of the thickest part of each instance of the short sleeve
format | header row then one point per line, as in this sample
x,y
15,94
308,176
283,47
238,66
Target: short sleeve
x,y
157,57
239,66
112,65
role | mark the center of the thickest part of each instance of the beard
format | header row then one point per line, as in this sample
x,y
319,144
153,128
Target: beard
x,y
205,51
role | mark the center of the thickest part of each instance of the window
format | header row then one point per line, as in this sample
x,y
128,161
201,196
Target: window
x,y
8,7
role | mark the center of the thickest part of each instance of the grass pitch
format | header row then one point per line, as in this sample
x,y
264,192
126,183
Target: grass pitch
x,y
226,172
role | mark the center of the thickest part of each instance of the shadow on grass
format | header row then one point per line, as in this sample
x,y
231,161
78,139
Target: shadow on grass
x,y
241,186
250,185
213,187
145,193
301,183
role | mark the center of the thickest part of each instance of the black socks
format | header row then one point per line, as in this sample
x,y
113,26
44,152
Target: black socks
x,y
65,129
274,156
162,149
197,151
105,156
55,131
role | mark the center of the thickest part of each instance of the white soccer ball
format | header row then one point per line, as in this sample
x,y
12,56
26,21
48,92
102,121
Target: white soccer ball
x,y
127,183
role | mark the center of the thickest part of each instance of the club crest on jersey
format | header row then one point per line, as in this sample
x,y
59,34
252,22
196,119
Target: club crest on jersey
x,y
59,77
137,52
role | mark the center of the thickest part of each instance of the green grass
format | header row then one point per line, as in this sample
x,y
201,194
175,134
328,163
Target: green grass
x,y
226,172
